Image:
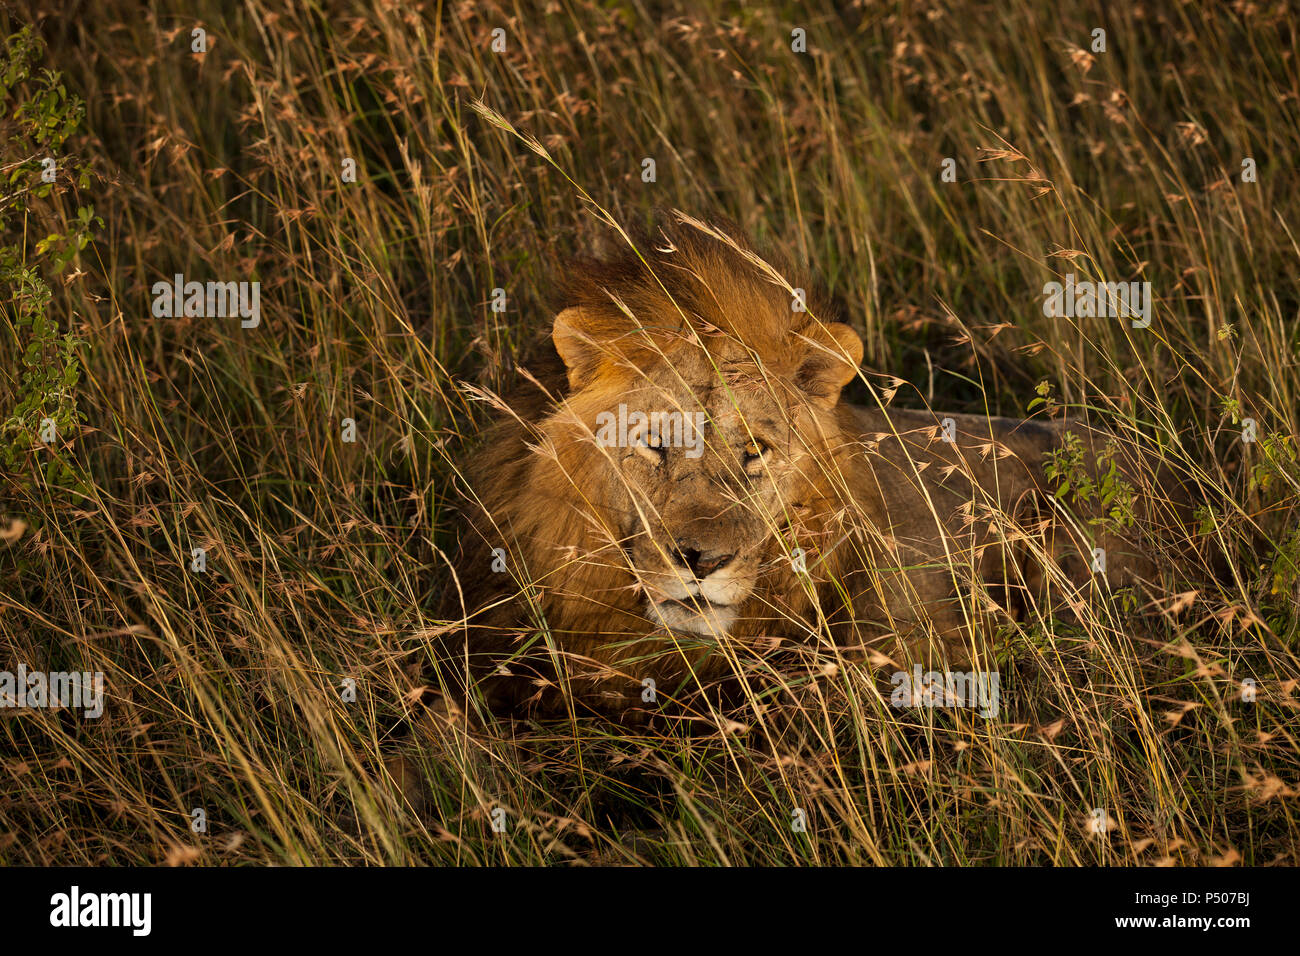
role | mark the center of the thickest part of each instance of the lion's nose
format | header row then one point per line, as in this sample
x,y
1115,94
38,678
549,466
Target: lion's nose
x,y
700,564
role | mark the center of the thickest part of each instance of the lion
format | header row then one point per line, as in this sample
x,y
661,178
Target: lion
x,y
685,478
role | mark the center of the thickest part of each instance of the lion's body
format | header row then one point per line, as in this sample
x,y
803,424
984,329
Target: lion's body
x,y
801,518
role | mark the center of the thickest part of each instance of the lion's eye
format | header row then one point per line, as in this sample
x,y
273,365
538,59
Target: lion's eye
x,y
649,445
755,452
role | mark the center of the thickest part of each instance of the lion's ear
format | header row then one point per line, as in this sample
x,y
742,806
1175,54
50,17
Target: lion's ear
x,y
834,354
576,335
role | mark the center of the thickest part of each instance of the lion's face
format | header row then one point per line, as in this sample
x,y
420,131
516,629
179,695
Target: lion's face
x,y
702,470
710,472
711,398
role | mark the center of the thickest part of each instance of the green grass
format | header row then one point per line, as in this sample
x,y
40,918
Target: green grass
x,y
326,558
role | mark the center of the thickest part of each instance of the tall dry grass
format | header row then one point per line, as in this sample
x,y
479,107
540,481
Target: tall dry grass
x,y
325,558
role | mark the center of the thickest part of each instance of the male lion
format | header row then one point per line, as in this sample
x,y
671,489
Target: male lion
x,y
691,481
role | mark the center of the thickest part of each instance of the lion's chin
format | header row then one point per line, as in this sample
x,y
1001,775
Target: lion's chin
x,y
697,617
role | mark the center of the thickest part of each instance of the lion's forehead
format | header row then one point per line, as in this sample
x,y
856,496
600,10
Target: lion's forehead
x,y
728,418
726,406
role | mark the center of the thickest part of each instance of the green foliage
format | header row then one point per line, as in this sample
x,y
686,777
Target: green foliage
x,y
48,360
1285,566
1101,483
1279,466
1232,407
1045,398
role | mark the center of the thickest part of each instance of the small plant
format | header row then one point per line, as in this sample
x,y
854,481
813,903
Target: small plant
x,y
1067,469
1278,466
1285,566
1206,520
1044,390
1231,407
